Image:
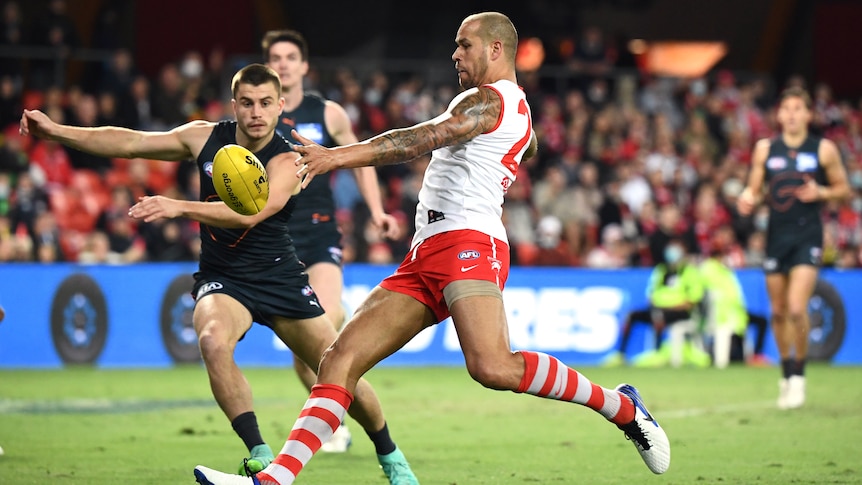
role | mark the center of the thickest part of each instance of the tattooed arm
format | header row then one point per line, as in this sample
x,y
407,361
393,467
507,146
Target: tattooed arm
x,y
472,113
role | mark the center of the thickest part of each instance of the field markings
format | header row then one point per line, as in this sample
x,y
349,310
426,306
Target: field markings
x,y
95,406
720,409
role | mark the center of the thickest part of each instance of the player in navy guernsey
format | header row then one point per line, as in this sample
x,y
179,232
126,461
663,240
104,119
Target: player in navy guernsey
x,y
313,226
248,269
800,172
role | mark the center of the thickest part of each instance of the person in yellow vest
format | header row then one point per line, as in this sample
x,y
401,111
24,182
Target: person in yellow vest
x,y
674,291
725,310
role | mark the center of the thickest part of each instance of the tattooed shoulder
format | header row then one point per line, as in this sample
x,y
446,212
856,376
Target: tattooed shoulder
x,y
481,109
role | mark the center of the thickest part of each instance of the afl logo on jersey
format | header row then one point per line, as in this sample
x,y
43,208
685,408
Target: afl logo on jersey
x,y
776,163
307,291
208,168
468,255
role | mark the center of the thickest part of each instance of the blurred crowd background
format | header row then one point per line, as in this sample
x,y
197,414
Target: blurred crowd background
x,y
627,160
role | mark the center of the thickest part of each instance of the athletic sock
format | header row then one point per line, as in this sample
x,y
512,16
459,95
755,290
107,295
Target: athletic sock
x,y
383,444
320,416
545,376
799,368
245,426
787,367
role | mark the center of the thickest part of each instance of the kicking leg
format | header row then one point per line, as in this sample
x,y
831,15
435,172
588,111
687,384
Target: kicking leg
x,y
480,321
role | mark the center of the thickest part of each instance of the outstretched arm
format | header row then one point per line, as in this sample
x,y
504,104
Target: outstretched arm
x,y
472,113
181,143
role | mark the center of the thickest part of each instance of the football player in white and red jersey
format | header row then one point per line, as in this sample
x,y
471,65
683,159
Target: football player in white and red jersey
x,y
458,262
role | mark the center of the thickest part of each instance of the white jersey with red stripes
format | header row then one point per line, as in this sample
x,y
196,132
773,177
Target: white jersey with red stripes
x,y
464,184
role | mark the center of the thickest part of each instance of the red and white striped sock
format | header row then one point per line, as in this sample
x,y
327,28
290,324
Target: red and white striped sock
x,y
320,417
545,376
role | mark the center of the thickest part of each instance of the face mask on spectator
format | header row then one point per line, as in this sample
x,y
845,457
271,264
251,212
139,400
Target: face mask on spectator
x,y
761,222
673,254
856,179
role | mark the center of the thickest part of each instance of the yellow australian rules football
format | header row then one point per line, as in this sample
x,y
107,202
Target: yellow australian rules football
x,y
240,179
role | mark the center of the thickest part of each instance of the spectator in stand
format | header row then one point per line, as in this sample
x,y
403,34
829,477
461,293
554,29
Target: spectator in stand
x,y
13,155
634,189
551,195
97,249
697,131
826,112
726,89
213,81
550,128
551,249
85,112
108,108
587,199
519,217
592,57
599,140
28,201
670,226
170,242
46,237
749,117
707,216
118,74
122,232
138,109
614,251
657,99
663,158
168,99
10,100
192,71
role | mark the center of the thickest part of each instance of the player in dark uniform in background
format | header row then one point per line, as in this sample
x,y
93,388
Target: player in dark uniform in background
x,y
248,268
802,171
313,226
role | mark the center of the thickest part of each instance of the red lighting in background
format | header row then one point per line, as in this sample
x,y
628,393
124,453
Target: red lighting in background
x,y
530,54
679,59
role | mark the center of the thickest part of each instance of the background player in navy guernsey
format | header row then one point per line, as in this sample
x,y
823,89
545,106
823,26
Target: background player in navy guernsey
x,y
801,171
248,270
313,226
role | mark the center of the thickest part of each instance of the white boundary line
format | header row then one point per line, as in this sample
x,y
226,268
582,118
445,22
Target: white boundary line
x,y
718,409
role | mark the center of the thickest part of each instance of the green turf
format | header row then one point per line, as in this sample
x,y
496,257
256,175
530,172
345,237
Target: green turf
x,y
86,426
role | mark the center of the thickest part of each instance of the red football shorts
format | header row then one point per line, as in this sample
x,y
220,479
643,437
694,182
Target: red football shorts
x,y
447,257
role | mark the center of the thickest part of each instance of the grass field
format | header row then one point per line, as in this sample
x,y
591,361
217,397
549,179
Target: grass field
x,y
88,426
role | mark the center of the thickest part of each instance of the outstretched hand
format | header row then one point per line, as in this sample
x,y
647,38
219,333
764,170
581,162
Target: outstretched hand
x,y
36,123
152,208
313,159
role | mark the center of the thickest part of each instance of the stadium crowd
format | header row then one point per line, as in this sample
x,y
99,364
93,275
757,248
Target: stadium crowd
x,y
626,161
